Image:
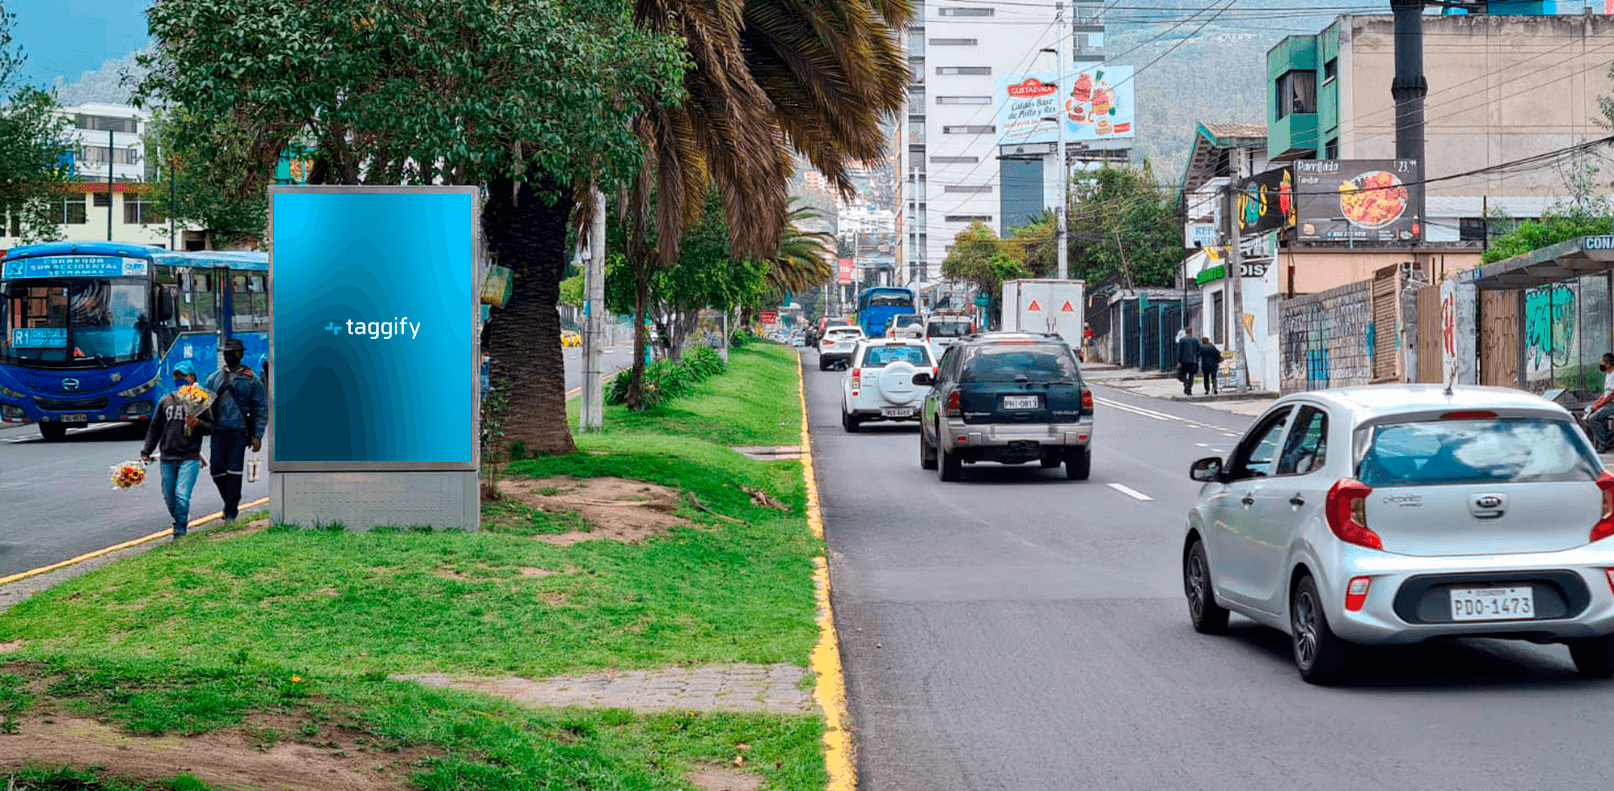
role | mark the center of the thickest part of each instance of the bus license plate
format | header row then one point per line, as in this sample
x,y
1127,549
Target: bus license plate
x,y
1020,402
74,418
1492,604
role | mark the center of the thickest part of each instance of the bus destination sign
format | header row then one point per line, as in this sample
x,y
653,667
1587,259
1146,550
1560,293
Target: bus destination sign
x,y
75,266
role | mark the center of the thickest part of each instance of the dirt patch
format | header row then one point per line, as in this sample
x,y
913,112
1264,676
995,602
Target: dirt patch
x,y
443,571
255,526
722,778
256,755
616,508
525,571
13,646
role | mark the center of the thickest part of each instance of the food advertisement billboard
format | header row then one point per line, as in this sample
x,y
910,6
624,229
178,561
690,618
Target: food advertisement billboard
x,y
843,271
1098,105
1265,202
1357,202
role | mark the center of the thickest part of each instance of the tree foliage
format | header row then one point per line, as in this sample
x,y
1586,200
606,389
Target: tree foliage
x,y
203,173
983,260
1585,211
35,150
1121,221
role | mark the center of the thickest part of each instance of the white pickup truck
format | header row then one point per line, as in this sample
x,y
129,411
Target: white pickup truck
x,y
887,380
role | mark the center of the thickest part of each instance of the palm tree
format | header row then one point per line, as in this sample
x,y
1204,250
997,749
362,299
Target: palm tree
x,y
803,259
765,77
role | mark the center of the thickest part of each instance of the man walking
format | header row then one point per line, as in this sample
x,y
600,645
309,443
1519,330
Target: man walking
x,y
1187,359
241,413
179,436
1598,414
1210,359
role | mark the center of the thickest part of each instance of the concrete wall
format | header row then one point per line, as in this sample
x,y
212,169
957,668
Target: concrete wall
x,y
1327,339
1316,271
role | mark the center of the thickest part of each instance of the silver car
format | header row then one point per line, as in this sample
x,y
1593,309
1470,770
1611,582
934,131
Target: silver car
x,y
1399,513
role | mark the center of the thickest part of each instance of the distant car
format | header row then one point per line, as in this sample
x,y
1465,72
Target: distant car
x,y
1010,398
569,338
906,325
1402,513
941,329
835,348
886,380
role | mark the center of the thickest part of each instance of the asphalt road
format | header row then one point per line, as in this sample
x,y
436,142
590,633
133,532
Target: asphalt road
x,y
56,501
1020,631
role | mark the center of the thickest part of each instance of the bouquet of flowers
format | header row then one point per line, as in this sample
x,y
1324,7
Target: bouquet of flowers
x,y
128,475
197,399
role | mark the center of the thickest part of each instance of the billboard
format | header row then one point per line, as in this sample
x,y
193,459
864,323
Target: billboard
x,y
1265,202
1357,201
374,359
843,270
1098,105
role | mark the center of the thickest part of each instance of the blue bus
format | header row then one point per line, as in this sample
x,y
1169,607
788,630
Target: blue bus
x,y
877,306
90,332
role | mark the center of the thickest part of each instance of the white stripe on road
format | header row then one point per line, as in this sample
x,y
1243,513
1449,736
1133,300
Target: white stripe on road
x,y
1131,492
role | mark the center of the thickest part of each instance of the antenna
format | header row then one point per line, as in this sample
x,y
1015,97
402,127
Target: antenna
x,y
1451,373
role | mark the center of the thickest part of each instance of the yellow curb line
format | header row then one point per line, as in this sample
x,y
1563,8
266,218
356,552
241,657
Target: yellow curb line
x,y
574,392
826,659
125,545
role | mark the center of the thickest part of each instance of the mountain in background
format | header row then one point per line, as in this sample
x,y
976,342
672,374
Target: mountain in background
x,y
113,83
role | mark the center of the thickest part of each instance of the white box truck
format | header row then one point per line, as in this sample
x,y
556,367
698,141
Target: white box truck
x,y
1046,306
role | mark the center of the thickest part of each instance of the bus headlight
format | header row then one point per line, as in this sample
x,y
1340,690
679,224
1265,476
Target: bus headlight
x,y
11,394
10,412
138,389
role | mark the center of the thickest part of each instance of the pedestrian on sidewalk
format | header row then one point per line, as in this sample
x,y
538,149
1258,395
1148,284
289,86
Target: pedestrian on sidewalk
x,y
1601,410
1187,359
1087,342
178,436
1210,359
240,416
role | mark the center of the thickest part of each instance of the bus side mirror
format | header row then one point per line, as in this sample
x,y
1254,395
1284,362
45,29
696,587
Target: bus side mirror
x,y
167,307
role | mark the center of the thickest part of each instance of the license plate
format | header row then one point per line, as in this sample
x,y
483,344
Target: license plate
x,y
1020,402
1492,604
896,411
74,418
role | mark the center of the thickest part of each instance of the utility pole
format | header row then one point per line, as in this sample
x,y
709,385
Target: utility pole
x,y
110,150
1235,258
591,416
173,198
1060,115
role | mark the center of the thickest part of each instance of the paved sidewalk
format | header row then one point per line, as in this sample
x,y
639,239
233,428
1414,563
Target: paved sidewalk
x,y
1163,385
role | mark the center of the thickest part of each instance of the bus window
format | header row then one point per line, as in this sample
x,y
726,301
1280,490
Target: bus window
x,y
198,314
249,303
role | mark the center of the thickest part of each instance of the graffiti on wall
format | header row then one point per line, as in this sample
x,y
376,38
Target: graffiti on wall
x,y
1549,331
1327,339
1457,332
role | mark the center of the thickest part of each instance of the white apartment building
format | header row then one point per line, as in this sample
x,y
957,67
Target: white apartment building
x,y
950,170
860,218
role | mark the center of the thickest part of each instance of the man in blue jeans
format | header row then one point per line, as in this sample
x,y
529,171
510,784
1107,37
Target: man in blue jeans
x,y
178,435
240,416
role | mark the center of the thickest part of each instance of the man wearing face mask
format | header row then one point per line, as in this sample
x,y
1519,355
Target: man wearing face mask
x,y
241,414
1598,414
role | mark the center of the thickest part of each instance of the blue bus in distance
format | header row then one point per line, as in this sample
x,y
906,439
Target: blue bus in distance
x,y
877,306
90,332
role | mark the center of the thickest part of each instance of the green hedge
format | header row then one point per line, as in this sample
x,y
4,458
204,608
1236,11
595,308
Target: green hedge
x,y
665,380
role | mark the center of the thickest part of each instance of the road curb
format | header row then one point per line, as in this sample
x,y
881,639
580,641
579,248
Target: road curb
x,y
830,689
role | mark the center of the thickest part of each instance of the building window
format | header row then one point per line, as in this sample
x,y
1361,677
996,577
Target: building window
x,y
964,12
955,160
101,200
963,100
106,123
1330,70
1472,229
98,155
137,210
1331,149
74,212
974,189
969,217
1297,93
969,130
953,42
978,70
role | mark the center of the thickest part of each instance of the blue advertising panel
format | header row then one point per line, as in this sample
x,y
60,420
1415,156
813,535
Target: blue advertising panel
x,y
373,353
75,266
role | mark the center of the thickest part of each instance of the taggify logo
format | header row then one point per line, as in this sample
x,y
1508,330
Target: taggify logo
x,y
377,330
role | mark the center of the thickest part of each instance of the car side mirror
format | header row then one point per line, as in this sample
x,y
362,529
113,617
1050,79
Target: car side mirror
x,y
921,378
1206,470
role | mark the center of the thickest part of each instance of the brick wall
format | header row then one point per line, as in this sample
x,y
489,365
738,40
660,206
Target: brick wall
x,y
1327,339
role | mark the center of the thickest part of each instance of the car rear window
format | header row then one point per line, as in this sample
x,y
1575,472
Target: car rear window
x,y
881,356
947,329
1480,451
1007,362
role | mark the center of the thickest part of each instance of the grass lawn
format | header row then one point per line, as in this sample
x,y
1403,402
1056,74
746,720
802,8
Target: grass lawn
x,y
203,633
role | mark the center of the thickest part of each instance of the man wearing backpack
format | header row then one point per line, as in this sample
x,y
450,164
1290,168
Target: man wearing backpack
x,y
240,416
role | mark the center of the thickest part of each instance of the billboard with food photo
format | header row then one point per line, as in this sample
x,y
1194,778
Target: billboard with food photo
x,y
1097,105
1357,201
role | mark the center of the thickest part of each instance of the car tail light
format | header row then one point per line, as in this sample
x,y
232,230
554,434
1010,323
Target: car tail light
x,y
1356,593
1605,522
1087,400
955,403
1346,509
857,379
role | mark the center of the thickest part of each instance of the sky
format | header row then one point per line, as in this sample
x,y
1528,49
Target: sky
x,y
69,37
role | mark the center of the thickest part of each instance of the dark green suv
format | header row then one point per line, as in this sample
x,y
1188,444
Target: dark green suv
x,y
1011,398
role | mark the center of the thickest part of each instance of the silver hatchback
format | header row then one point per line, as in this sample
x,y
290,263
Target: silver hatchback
x,y
1399,513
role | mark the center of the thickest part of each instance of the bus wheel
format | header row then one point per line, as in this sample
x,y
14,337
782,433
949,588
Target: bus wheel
x,y
53,431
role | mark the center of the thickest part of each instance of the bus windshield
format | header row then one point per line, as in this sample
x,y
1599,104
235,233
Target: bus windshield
x,y
74,322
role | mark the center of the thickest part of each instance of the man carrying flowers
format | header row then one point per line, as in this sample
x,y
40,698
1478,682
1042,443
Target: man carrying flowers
x,y
241,412
176,430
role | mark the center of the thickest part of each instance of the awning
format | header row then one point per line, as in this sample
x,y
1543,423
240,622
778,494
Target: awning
x,y
1588,255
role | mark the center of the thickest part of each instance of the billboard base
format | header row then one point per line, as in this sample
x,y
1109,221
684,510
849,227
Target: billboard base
x,y
363,500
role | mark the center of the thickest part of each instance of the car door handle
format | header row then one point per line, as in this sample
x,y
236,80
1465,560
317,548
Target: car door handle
x,y
1297,501
1249,500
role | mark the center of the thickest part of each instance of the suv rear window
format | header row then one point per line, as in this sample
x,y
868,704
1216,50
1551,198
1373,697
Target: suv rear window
x,y
1482,451
947,329
881,356
1007,362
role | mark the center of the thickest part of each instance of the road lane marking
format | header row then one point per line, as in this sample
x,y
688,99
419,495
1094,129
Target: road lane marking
x,y
22,575
1131,492
830,689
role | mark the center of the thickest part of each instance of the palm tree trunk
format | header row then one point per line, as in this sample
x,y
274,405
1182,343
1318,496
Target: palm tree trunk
x,y
529,237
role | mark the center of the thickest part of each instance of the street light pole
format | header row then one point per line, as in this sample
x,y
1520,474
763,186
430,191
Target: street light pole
x,y
1061,251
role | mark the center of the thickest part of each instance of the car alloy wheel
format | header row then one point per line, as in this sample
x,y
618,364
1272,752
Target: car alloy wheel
x,y
1207,616
1320,655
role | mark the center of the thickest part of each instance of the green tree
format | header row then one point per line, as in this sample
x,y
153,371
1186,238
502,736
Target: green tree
x,y
1585,211
203,174
531,98
983,260
35,150
1121,221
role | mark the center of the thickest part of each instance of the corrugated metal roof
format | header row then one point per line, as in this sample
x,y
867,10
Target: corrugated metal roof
x,y
1237,130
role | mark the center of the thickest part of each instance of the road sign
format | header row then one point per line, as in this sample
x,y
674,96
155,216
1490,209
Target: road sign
x,y
982,301
769,317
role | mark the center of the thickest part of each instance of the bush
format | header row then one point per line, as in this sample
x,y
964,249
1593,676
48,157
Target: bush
x,y
664,380
704,362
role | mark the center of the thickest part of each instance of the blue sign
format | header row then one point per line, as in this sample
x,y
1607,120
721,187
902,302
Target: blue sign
x,y
39,338
76,266
982,301
374,356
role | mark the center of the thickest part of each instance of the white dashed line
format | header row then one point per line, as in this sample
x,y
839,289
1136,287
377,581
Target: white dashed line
x,y
1130,492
